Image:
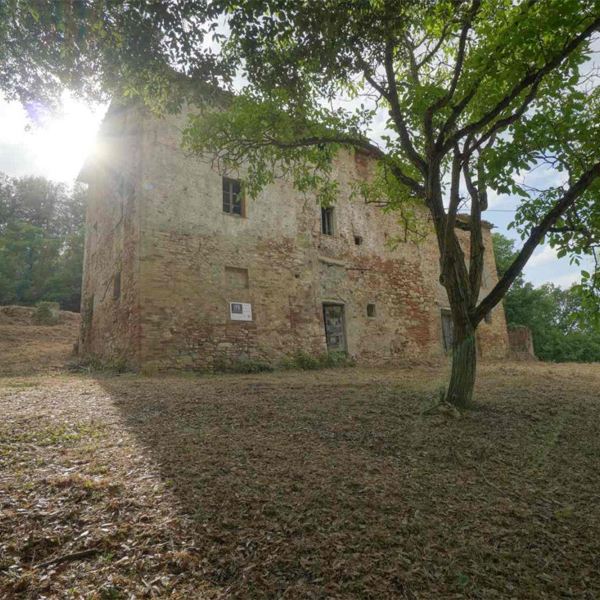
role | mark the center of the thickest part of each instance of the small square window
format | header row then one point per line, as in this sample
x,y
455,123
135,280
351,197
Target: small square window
x,y
327,220
236,308
488,318
370,310
233,200
117,286
236,278
358,240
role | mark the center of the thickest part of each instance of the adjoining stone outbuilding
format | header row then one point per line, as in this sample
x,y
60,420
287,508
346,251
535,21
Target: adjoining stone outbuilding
x,y
182,271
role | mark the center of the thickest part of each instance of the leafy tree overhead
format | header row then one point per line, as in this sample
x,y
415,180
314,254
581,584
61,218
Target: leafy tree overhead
x,y
41,242
97,48
475,93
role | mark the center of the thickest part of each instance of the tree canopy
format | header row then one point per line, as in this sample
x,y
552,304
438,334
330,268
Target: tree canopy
x,y
97,49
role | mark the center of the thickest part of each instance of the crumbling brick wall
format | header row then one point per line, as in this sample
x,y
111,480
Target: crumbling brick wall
x,y
521,343
110,306
176,251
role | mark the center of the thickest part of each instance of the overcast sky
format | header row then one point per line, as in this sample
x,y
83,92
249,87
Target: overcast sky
x,y
56,147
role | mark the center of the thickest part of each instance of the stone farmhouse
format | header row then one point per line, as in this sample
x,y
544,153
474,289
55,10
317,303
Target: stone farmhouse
x,y
181,270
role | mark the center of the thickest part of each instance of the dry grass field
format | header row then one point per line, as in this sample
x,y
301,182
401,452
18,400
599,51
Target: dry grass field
x,y
325,484
26,348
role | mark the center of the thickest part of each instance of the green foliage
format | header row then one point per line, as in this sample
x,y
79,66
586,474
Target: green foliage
x,y
308,362
95,364
557,318
502,87
41,242
242,365
97,48
302,360
504,252
46,313
549,312
299,360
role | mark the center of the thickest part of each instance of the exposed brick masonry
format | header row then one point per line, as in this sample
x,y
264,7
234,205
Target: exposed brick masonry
x,y
156,222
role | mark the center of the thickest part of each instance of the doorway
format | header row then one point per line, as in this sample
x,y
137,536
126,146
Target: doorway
x,y
447,330
335,329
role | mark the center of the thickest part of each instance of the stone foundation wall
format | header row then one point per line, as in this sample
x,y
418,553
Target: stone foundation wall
x,y
521,343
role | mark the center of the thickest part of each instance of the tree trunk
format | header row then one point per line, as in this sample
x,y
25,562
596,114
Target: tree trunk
x,y
464,363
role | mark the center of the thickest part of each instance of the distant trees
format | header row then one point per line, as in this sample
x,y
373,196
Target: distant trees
x,y
553,314
41,241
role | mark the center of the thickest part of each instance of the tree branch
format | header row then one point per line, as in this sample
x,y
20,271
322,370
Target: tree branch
x,y
361,144
478,203
537,234
531,78
454,195
458,108
368,75
396,112
460,57
414,69
429,55
506,122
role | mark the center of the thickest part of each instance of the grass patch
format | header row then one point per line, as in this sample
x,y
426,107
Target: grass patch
x,y
300,360
95,364
19,385
309,362
242,365
62,434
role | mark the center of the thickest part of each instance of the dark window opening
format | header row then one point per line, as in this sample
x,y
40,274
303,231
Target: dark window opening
x,y
233,201
327,220
117,286
358,240
370,310
447,330
121,185
488,318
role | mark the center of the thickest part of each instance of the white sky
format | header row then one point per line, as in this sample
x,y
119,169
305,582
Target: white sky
x,y
56,146
38,143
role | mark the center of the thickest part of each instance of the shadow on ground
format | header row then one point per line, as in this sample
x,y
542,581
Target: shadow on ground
x,y
333,484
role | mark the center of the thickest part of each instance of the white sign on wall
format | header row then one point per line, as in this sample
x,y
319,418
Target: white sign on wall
x,y
240,311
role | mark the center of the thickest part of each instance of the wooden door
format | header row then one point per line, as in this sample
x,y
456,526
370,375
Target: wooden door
x,y
335,330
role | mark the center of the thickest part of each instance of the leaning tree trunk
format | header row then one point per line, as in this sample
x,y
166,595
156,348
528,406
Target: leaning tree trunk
x,y
464,363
